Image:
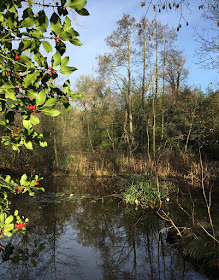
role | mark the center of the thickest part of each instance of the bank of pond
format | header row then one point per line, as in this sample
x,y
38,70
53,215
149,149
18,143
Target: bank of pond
x,y
113,228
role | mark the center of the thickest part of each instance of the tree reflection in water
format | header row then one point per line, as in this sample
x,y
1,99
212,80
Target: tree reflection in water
x,y
88,239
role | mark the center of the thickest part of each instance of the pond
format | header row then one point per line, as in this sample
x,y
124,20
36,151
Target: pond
x,y
71,236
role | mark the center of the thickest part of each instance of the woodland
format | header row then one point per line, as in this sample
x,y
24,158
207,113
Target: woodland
x,y
135,118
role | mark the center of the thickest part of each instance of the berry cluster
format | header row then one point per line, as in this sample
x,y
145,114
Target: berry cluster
x,y
20,225
52,72
13,133
32,109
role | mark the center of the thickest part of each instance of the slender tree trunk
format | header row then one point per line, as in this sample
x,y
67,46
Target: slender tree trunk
x,y
162,116
129,96
148,144
187,139
153,101
154,127
143,97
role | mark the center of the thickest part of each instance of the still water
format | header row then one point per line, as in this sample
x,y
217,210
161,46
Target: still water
x,y
73,236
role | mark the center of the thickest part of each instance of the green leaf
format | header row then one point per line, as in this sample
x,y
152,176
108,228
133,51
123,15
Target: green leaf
x,y
51,112
34,119
83,12
27,124
77,4
39,58
42,21
27,22
66,70
7,233
1,17
10,94
9,219
56,59
43,143
28,145
15,147
47,46
6,86
37,34
67,24
31,78
25,44
16,213
23,179
25,60
41,98
76,42
50,102
8,178
65,61
55,25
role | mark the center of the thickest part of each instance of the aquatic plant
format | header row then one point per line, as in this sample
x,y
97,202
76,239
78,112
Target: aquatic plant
x,y
143,191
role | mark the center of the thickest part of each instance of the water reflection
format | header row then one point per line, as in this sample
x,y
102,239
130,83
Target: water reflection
x,y
87,239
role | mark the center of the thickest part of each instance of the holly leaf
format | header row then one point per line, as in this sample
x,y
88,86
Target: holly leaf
x,y
27,124
66,70
77,4
50,102
56,59
65,61
47,46
31,78
28,145
51,112
83,12
23,179
41,98
34,119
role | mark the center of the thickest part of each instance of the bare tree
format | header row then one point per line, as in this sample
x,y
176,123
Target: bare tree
x,y
208,37
175,71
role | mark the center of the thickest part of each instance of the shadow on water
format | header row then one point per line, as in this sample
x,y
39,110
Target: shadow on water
x,y
91,239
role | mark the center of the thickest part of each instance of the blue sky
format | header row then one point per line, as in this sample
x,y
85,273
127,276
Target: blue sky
x,y
102,21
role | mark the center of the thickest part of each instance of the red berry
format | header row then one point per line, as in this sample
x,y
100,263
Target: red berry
x,y
50,74
8,74
50,68
19,190
59,39
55,35
12,133
57,3
51,33
37,183
16,57
64,8
54,72
47,5
34,112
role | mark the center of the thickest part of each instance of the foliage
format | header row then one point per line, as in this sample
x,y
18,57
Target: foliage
x,y
30,31
200,248
143,192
